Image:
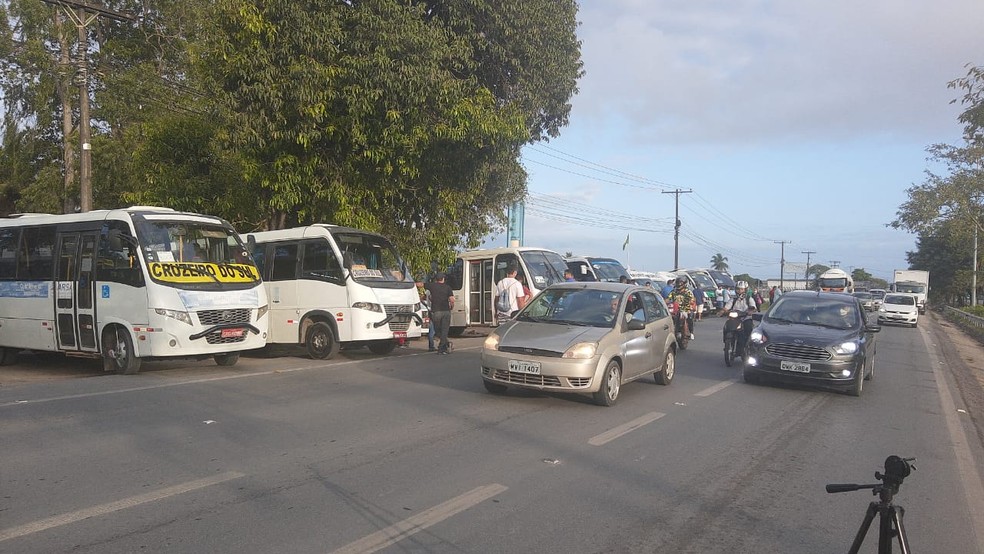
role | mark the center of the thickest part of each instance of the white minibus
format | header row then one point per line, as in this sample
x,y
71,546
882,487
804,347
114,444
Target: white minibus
x,y
475,273
332,286
127,285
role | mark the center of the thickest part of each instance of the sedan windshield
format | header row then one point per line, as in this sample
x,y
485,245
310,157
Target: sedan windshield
x,y
589,307
822,312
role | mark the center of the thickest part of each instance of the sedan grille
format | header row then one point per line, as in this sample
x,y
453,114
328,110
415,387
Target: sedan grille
x,y
525,379
798,352
530,351
399,323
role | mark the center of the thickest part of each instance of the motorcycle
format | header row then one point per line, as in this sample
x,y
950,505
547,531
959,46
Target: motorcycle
x,y
734,349
683,339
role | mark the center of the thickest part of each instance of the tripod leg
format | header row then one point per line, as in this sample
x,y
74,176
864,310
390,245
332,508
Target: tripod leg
x,y
897,513
885,529
863,530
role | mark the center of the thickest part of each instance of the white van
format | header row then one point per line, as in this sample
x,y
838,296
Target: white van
x,y
593,268
330,286
475,273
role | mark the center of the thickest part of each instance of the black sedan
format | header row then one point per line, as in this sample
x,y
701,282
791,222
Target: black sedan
x,y
817,338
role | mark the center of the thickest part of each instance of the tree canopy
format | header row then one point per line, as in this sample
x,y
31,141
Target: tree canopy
x,y
400,117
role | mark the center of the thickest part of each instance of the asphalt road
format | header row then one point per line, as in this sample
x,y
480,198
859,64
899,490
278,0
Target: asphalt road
x,y
409,453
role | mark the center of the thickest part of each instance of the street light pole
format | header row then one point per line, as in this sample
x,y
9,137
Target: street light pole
x,y
782,261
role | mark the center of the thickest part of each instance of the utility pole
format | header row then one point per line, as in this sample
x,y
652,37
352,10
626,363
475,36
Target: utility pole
x,y
676,228
782,261
806,276
77,12
834,263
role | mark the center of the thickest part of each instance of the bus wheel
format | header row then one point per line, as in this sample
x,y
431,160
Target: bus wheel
x,y
382,346
118,353
226,359
321,342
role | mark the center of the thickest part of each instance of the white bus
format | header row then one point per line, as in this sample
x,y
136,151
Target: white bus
x,y
475,273
331,286
126,285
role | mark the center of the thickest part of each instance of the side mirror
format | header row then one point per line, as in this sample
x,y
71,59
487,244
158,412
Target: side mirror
x,y
757,316
872,328
636,324
113,236
251,243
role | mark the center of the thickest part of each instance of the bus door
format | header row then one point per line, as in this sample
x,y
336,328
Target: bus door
x,y
481,291
75,321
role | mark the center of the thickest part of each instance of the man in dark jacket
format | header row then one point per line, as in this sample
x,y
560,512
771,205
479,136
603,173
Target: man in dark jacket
x,y
442,301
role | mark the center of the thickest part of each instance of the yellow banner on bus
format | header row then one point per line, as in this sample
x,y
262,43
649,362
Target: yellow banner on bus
x,y
198,272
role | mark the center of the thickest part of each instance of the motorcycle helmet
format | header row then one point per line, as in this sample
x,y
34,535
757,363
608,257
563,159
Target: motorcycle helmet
x,y
741,285
681,282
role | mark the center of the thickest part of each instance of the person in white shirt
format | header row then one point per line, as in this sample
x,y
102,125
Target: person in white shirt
x,y
514,290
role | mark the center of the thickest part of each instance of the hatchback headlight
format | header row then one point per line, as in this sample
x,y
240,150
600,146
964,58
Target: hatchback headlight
x,y
183,317
846,348
372,307
581,351
758,337
491,342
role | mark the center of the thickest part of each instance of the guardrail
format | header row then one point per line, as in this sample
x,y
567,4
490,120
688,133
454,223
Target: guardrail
x,y
969,323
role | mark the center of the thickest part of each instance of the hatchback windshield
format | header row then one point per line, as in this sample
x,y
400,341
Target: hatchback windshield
x,y
823,312
592,308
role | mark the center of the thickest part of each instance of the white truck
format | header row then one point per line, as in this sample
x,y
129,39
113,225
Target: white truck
x,y
913,281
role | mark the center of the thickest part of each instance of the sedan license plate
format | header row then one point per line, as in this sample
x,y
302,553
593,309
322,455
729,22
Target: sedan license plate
x,y
232,333
798,367
518,366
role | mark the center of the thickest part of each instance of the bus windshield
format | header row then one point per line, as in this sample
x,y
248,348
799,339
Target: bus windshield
x,y
832,282
608,269
545,267
910,288
194,252
372,260
703,280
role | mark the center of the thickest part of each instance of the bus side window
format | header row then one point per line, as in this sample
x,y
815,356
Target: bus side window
x,y
455,276
37,256
117,260
8,253
284,262
319,262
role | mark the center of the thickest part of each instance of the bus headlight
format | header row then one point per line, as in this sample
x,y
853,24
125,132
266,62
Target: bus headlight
x,y
183,317
262,311
372,307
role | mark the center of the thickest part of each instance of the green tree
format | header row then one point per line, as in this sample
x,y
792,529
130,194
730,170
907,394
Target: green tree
x,y
859,274
719,262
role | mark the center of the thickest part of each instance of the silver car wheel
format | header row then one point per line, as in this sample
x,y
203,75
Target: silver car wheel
x,y
611,383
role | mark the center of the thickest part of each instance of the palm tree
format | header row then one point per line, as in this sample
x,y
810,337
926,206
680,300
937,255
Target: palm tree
x,y
719,262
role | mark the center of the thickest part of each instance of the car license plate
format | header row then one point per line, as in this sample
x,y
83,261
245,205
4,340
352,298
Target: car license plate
x,y
232,333
518,366
399,334
798,367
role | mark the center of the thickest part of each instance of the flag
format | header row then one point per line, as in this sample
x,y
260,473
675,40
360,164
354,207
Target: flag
x,y
626,242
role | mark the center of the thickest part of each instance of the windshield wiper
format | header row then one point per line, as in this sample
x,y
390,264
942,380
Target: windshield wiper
x,y
571,322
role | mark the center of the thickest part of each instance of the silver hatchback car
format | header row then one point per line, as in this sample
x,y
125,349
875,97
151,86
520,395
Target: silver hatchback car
x,y
585,337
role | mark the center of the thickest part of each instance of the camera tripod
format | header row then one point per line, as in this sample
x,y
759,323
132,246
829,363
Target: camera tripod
x,y
889,514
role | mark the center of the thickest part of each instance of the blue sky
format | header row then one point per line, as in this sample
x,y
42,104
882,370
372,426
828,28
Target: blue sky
x,y
799,121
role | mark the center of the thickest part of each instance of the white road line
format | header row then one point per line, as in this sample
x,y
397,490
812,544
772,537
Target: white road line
x,y
972,485
104,509
617,432
410,526
713,389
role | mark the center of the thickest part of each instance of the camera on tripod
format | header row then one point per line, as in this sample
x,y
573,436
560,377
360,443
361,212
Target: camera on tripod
x,y
890,515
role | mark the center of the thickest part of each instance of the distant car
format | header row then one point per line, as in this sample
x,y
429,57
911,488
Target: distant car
x,y
899,308
867,300
590,337
878,295
819,338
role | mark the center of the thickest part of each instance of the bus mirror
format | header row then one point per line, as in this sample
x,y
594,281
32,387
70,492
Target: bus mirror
x,y
251,243
113,236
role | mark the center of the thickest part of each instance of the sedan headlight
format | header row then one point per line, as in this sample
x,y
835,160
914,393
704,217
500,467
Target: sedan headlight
x,y
758,337
372,307
581,351
183,317
846,348
491,342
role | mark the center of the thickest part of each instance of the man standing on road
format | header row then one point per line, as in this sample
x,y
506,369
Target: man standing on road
x,y
513,290
442,300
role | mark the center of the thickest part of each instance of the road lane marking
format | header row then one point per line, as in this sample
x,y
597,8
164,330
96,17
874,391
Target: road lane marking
x,y
617,432
103,509
713,389
412,525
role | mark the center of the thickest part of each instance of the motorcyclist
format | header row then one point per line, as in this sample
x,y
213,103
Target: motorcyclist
x,y
685,301
743,303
